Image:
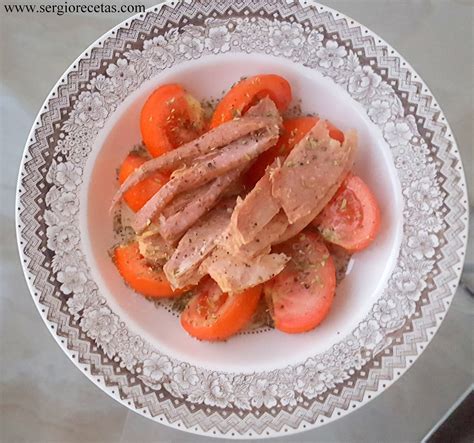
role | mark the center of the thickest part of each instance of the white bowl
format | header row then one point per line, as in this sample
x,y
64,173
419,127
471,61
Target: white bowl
x,y
368,271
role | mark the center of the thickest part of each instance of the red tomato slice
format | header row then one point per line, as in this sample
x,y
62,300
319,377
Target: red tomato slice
x,y
352,218
139,275
170,117
213,315
248,92
302,294
139,194
294,129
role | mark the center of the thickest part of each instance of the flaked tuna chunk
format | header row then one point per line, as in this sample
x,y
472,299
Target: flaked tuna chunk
x,y
235,274
253,212
312,172
153,247
264,114
182,269
235,155
294,229
173,227
262,242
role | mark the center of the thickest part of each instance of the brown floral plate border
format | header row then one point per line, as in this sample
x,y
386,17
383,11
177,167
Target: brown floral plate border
x,y
268,403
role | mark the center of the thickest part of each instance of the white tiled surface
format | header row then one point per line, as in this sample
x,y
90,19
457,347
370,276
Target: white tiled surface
x,y
44,398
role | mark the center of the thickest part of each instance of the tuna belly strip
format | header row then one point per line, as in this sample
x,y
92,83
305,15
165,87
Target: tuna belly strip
x,y
182,200
235,155
264,114
205,199
182,269
312,172
186,198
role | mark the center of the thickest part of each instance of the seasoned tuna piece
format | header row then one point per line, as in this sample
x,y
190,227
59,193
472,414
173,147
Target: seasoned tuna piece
x,y
182,269
253,212
262,242
235,274
175,225
182,200
236,155
312,172
264,114
153,247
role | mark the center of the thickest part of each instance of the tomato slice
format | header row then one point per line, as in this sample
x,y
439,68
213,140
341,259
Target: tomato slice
x,y
294,129
139,275
213,315
248,92
301,296
139,194
352,218
170,117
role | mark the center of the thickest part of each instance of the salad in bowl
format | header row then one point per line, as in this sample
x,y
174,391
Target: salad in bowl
x,y
241,210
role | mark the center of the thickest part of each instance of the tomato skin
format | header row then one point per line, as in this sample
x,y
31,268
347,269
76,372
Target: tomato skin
x,y
248,92
213,316
169,118
301,296
138,195
139,275
294,130
352,218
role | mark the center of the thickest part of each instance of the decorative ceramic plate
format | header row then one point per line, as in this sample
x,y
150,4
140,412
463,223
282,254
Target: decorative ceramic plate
x,y
260,383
